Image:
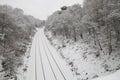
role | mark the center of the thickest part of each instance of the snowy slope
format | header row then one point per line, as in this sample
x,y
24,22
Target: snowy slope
x,y
114,76
85,60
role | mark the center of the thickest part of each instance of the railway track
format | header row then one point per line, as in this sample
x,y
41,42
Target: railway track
x,y
47,63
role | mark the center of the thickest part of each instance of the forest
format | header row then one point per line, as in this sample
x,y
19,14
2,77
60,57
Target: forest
x,y
96,17
16,32
86,36
93,26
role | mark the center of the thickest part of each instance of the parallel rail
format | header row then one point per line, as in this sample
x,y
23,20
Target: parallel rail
x,y
45,48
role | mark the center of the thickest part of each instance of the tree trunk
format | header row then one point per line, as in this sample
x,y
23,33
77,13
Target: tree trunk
x,y
96,39
109,44
75,37
107,32
65,32
89,31
118,35
81,35
94,36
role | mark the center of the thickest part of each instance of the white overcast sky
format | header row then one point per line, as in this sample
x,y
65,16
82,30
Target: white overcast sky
x,y
40,8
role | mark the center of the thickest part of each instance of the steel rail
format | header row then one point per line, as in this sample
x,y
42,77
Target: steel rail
x,y
35,65
40,55
49,61
54,60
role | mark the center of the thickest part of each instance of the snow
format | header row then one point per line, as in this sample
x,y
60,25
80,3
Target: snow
x,y
83,57
53,65
114,76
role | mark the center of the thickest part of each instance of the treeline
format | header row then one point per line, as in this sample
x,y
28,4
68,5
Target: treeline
x,y
16,31
98,19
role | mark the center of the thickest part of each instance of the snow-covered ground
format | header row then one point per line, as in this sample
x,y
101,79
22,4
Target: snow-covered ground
x,y
84,58
114,76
